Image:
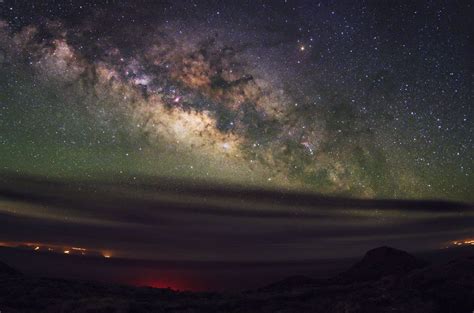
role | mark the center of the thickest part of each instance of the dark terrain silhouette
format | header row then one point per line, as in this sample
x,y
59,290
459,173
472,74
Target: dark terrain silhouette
x,y
381,262
385,280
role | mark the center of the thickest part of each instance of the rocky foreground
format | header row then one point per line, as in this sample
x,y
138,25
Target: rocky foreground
x,y
385,280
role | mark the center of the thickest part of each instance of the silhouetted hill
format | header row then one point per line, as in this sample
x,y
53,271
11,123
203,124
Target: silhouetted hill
x,y
381,262
385,280
377,263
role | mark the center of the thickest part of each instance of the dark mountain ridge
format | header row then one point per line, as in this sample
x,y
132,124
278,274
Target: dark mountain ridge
x,y
380,262
385,280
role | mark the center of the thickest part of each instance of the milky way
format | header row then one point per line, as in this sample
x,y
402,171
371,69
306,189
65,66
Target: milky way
x,y
323,98
234,131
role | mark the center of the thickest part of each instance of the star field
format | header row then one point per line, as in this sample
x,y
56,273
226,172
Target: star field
x,y
369,100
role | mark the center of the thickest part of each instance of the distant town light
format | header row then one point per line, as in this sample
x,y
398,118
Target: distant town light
x,y
463,242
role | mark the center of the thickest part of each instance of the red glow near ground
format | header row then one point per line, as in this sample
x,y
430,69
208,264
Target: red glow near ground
x,y
175,285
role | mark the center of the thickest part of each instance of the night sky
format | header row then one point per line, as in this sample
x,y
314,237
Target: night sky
x,y
236,130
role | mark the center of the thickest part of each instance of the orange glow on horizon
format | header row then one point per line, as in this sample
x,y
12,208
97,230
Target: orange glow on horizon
x,y
106,254
78,249
463,242
55,248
